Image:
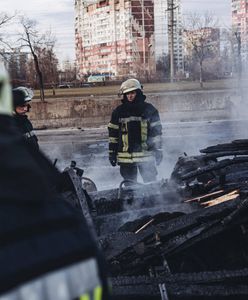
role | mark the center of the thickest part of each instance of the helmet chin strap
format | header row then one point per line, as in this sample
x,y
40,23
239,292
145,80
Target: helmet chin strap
x,y
6,106
28,107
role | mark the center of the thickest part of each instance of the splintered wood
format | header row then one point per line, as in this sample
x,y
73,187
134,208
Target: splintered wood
x,y
204,197
144,226
227,197
223,198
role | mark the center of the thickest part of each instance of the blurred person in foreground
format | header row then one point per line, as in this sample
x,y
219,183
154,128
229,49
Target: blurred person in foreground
x,y
135,135
22,97
47,251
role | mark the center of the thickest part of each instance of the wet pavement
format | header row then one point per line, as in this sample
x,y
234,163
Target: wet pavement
x,y
89,147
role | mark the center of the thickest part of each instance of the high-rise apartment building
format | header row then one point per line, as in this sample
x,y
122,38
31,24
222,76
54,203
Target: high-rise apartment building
x,y
161,28
115,37
240,27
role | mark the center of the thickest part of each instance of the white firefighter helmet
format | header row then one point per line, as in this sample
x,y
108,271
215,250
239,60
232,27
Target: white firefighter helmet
x,y
5,92
130,85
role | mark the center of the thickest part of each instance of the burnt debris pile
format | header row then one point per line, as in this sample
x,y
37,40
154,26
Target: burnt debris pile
x,y
123,207
201,254
182,238
218,175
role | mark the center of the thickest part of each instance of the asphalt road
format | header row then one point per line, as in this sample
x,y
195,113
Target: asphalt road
x,y
89,147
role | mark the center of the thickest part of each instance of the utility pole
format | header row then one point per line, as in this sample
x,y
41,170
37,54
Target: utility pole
x,y
171,23
238,38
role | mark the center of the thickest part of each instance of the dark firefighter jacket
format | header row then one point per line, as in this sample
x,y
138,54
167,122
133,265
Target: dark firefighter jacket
x,y
134,132
46,252
27,130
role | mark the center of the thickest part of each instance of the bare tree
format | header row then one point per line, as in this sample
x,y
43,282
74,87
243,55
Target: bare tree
x,y
231,54
238,43
48,64
202,39
33,40
163,66
38,44
5,20
228,50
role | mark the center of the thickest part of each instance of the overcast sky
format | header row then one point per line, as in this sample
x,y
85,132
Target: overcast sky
x,y
58,15
221,8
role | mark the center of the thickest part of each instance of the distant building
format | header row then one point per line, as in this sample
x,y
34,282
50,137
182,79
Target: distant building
x,y
15,62
208,38
240,27
202,51
161,28
115,37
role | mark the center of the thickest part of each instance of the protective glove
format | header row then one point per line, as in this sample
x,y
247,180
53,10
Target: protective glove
x,y
6,106
158,157
113,161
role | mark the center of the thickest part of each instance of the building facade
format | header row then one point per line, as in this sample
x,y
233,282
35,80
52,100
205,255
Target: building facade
x,y
240,28
206,39
161,28
15,62
201,50
115,37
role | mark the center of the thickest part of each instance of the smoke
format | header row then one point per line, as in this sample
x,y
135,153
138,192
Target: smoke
x,y
219,118
234,88
187,138
90,151
179,138
89,155
238,102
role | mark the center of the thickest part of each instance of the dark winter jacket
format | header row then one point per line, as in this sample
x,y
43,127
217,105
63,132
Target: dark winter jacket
x,y
27,130
134,131
46,247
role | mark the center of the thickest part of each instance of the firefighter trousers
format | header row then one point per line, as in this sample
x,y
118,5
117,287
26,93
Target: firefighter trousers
x,y
147,171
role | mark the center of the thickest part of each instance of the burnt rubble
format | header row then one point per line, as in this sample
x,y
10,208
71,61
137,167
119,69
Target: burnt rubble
x,y
221,167
182,238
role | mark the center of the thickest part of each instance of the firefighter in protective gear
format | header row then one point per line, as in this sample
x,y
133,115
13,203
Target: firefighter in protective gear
x,y
21,100
135,134
46,250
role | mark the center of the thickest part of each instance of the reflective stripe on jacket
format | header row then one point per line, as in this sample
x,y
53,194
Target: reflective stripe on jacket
x,y
135,132
79,281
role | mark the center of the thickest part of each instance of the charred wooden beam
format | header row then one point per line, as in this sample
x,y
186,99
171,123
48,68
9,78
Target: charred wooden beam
x,y
226,284
235,145
217,166
169,229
